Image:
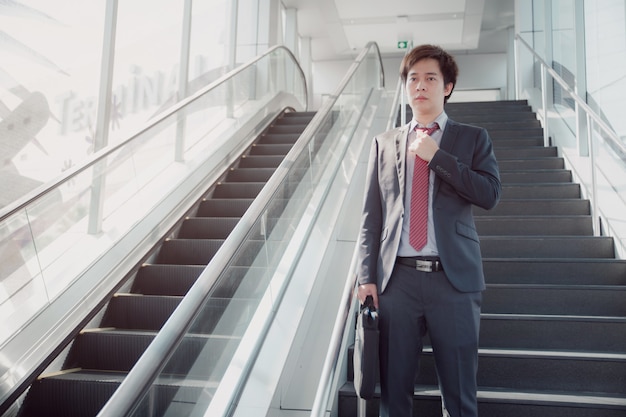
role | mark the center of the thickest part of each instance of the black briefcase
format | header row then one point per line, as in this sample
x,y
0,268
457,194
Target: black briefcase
x,y
365,359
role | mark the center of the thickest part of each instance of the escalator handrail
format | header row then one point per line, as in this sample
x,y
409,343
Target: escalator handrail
x,y
151,362
67,175
345,316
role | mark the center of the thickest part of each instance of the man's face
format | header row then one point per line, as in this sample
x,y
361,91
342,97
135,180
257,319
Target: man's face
x,y
425,88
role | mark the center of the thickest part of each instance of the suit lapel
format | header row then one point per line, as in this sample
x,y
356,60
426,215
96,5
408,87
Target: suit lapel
x,y
400,141
448,139
449,136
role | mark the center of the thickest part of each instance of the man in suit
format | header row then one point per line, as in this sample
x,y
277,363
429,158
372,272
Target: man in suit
x,y
435,286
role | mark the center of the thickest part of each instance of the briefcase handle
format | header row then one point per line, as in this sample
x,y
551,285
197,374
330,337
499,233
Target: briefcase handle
x,y
368,305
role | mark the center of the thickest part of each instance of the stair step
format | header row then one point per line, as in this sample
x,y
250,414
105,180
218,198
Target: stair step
x,y
536,176
520,132
537,207
541,190
501,116
523,142
530,152
577,300
542,370
511,124
491,105
547,247
577,271
501,402
514,369
553,332
530,163
534,225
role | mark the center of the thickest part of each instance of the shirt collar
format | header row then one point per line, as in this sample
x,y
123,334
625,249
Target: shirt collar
x,y
442,119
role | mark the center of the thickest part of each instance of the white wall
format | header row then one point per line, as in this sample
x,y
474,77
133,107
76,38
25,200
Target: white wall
x,y
476,72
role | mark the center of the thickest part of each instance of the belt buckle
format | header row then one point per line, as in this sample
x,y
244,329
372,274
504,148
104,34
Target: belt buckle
x,y
423,266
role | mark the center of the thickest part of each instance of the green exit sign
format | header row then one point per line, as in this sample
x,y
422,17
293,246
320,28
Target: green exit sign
x,y
403,44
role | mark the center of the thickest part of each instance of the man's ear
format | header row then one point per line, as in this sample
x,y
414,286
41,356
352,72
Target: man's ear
x,y
448,89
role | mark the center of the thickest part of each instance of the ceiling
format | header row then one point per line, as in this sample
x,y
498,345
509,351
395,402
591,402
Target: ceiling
x,y
339,29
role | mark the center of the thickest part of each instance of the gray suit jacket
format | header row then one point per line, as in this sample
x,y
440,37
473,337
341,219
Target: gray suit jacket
x,y
466,174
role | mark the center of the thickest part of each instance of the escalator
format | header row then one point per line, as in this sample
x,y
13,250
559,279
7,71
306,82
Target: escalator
x,y
218,224
98,359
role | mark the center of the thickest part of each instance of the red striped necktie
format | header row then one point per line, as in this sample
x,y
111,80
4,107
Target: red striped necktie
x,y
418,229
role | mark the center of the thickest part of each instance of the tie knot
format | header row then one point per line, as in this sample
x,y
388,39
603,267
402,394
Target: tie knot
x,y
429,130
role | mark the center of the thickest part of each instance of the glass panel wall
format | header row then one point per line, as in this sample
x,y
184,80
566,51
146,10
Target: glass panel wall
x,y
586,47
49,80
147,53
564,57
49,85
605,37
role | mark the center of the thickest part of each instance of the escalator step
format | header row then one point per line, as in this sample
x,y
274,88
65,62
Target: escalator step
x,y
242,282
197,355
294,129
70,394
207,227
99,358
227,317
249,174
268,149
188,251
300,118
84,393
279,138
260,161
175,280
165,279
224,207
139,312
238,189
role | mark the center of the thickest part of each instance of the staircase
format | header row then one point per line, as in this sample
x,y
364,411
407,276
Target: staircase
x,y
99,358
553,327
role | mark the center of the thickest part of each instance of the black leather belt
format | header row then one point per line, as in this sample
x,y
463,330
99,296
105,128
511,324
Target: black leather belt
x,y
421,264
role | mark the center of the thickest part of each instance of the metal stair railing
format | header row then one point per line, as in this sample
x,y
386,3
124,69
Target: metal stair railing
x,y
608,136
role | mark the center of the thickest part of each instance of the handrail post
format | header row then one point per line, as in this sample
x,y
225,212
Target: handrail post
x,y
516,68
101,136
544,101
183,80
594,186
